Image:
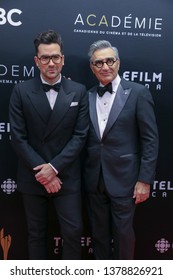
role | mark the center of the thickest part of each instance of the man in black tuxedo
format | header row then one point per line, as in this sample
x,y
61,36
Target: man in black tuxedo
x,y
49,124
122,149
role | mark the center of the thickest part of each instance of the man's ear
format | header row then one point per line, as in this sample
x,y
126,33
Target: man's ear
x,y
118,64
63,60
36,61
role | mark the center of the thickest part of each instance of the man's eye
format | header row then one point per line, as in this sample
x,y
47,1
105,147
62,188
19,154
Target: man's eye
x,y
110,60
99,62
56,56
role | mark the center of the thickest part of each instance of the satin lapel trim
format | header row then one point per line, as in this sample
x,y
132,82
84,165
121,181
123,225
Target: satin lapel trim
x,y
61,106
93,112
117,106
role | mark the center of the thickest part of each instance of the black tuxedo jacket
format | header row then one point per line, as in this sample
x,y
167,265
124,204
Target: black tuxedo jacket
x,y
128,149
41,135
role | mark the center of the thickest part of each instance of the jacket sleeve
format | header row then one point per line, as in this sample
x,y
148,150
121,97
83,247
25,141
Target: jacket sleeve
x,y
19,138
148,136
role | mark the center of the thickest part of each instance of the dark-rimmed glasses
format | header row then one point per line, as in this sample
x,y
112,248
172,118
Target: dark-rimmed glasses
x,y
108,61
45,59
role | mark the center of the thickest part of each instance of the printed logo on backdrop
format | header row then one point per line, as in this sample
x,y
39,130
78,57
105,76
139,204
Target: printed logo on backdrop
x,y
17,73
9,186
5,131
161,189
85,243
131,25
11,17
163,245
151,80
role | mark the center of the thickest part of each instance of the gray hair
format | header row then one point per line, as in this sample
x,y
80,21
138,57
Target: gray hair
x,y
99,45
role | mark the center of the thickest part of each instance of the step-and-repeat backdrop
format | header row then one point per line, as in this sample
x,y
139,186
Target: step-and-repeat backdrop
x,y
142,31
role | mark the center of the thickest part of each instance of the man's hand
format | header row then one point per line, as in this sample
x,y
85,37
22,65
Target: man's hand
x,y
53,186
141,192
45,173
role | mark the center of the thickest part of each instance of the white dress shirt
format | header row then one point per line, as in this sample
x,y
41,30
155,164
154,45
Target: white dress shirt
x,y
104,104
51,94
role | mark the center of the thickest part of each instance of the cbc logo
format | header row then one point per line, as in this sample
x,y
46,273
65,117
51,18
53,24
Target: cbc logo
x,y
9,186
162,245
9,17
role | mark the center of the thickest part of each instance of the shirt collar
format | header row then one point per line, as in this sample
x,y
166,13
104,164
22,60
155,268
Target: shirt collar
x,y
115,82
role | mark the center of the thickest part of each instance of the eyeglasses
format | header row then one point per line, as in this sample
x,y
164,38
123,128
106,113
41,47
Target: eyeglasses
x,y
108,61
45,59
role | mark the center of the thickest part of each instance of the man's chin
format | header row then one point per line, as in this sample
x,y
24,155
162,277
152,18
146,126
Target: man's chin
x,y
106,81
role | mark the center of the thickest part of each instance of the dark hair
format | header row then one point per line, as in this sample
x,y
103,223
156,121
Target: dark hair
x,y
48,37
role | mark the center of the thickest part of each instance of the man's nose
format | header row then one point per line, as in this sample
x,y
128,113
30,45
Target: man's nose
x,y
105,66
51,62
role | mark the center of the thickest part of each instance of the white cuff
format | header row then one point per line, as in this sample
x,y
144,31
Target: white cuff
x,y
53,168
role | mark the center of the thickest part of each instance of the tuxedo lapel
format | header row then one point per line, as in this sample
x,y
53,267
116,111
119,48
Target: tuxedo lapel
x,y
40,102
117,106
61,106
93,112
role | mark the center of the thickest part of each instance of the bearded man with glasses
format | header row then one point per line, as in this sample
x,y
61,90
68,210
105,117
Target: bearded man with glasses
x,y
121,154
49,124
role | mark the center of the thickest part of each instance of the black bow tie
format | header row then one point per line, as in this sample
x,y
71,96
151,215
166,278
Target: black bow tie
x,y
47,87
102,90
